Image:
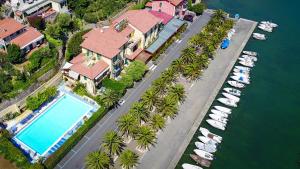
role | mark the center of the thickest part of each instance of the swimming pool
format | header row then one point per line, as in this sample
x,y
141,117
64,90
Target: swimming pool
x,y
44,131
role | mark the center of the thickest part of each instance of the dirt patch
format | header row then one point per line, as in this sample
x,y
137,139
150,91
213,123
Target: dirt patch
x,y
5,164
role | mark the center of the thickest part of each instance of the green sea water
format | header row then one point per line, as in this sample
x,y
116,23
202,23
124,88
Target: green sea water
x,y
264,131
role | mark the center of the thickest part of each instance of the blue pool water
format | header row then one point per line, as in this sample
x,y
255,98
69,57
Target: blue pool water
x,y
44,131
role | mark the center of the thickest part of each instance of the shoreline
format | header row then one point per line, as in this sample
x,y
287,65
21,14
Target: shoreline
x,y
182,129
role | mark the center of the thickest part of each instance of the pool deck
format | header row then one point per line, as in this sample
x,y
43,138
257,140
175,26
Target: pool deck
x,y
174,139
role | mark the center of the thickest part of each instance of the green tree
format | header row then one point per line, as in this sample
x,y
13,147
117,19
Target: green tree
x,y
168,107
127,125
128,159
54,30
178,92
145,137
159,85
112,143
150,98
157,122
73,46
97,160
198,8
14,54
127,80
110,97
64,20
139,111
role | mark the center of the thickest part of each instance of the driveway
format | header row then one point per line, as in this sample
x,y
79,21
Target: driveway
x,y
91,141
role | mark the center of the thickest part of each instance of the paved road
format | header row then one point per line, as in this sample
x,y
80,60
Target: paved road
x,y
91,141
176,136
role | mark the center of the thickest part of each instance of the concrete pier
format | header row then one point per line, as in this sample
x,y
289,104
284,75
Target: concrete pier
x,y
174,139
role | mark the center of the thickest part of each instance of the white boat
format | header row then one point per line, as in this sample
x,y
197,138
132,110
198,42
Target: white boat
x,y
231,97
241,79
206,147
243,68
259,36
232,91
273,25
209,134
247,63
223,109
207,140
204,154
236,84
241,71
253,58
265,27
227,102
216,124
241,74
250,53
219,113
218,118
190,166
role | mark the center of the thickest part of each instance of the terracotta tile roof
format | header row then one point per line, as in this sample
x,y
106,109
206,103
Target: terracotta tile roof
x,y
27,37
80,66
134,54
175,2
141,19
9,26
165,17
105,41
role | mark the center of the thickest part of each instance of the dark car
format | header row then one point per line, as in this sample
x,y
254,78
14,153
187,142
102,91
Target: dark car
x,y
189,18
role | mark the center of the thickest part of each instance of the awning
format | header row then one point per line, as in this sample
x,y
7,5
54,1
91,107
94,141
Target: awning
x,y
73,74
169,29
67,65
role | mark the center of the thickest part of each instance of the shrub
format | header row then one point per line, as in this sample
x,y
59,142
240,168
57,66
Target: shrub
x,y
37,58
80,89
198,8
113,85
52,41
127,80
136,70
14,54
33,103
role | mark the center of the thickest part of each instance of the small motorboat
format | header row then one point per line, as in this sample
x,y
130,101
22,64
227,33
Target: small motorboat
x,y
247,63
259,36
236,84
230,96
207,140
243,68
241,71
209,134
218,118
251,53
273,25
241,79
206,147
190,166
241,74
253,58
219,113
204,154
223,109
199,160
232,91
265,27
246,59
216,124
227,102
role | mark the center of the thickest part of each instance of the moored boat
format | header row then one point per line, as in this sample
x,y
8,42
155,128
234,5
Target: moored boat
x,y
243,68
190,166
241,71
241,74
241,79
259,36
204,154
265,27
247,63
209,134
250,53
232,91
219,113
230,96
207,140
223,109
227,102
218,118
216,124
206,147
271,24
199,160
235,84
253,58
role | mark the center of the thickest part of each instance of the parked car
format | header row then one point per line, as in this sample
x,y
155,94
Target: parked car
x,y
189,18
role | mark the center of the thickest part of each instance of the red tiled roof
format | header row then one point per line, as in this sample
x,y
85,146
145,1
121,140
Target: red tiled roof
x,y
165,17
91,72
27,37
149,4
141,19
175,2
9,26
105,41
134,54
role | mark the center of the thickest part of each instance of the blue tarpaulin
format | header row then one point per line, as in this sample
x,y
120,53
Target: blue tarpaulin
x,y
169,29
225,43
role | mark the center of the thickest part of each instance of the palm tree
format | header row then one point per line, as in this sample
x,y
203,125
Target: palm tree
x,y
159,85
127,125
178,92
128,159
169,75
139,111
145,137
157,122
168,107
192,71
150,98
97,160
112,143
177,65
219,14
109,98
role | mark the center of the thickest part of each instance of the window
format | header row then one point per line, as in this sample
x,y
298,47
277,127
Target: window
x,y
98,56
160,4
